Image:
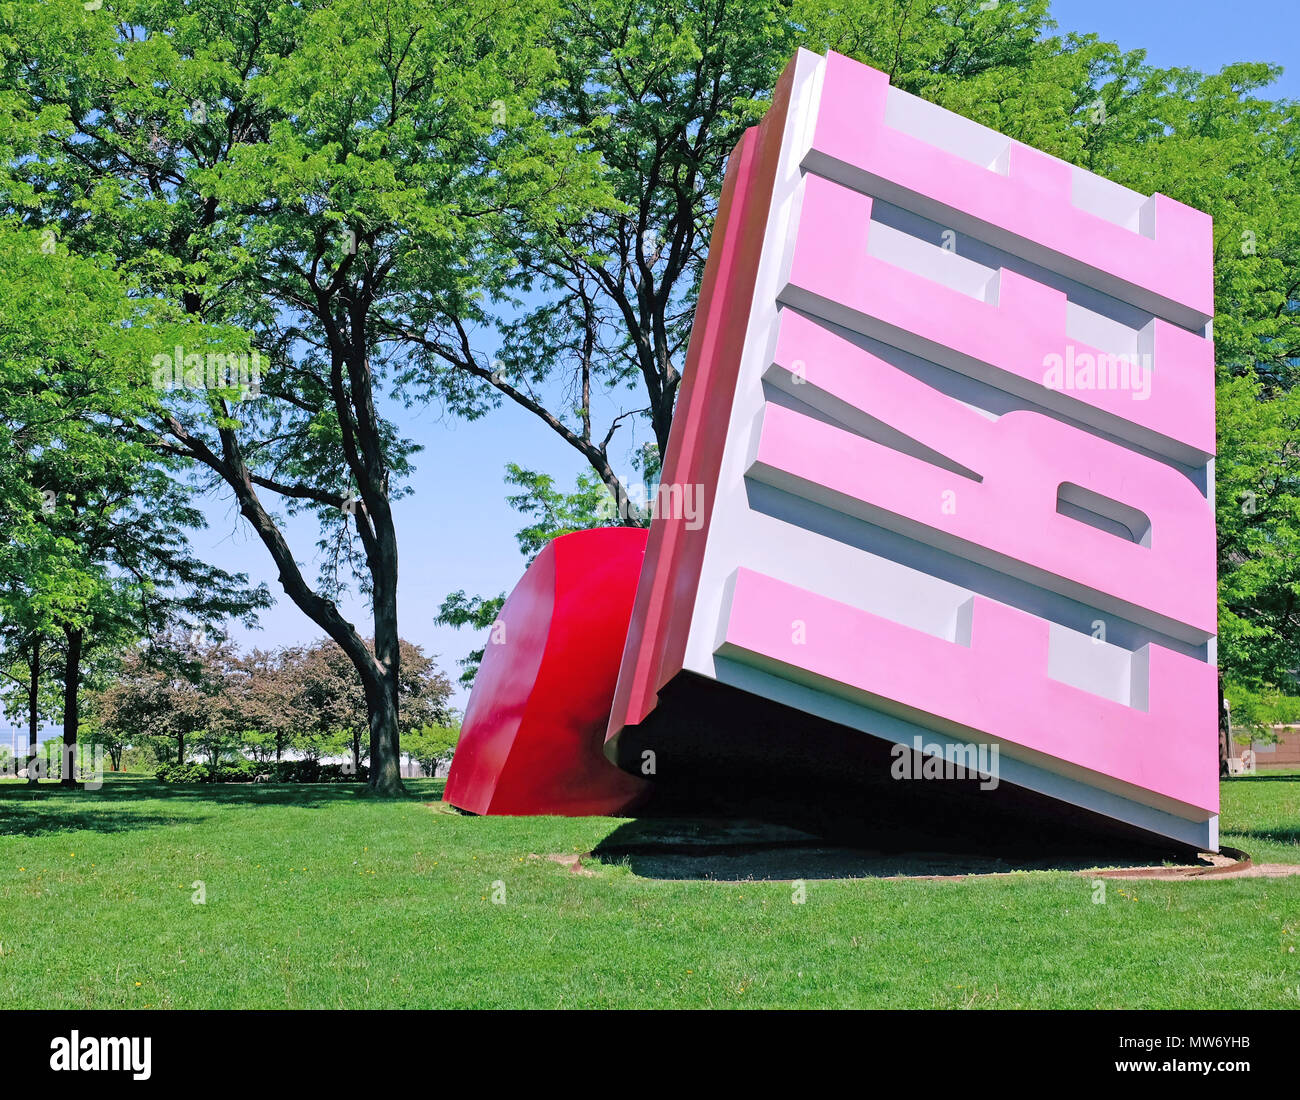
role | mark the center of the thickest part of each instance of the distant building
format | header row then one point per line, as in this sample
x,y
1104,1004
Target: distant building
x,y
1283,753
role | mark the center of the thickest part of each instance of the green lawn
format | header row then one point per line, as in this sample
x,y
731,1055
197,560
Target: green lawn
x,y
316,898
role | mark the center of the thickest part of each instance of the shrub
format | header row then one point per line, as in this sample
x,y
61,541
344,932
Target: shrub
x,y
335,773
235,771
183,773
245,771
313,771
295,771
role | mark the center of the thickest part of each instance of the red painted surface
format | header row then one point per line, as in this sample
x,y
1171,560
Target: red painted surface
x,y
656,638
532,736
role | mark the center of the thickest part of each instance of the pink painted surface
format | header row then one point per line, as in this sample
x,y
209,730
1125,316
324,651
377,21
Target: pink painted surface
x,y
997,686
888,458
1016,334
1032,199
1023,459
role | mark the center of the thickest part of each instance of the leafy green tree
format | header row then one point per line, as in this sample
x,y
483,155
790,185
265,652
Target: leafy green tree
x,y
431,746
28,687
112,742
331,701
1258,516
663,89
1258,712
57,379
476,612
97,542
377,190
343,180
166,693
125,531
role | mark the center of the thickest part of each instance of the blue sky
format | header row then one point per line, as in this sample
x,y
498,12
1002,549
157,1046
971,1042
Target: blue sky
x,y
456,530
1200,34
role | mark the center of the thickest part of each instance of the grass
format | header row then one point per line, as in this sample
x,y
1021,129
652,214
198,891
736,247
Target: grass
x,y
318,898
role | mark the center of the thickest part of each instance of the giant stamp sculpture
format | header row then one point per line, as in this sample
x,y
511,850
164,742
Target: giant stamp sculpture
x,y
951,404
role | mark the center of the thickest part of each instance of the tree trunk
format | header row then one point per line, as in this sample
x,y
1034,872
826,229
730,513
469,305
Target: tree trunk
x,y
385,750
385,742
71,712
1225,733
33,707
378,670
180,749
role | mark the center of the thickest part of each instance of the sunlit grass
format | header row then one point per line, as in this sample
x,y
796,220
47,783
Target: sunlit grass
x,y
314,897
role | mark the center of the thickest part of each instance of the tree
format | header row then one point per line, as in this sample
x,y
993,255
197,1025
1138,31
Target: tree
x,y
125,531
432,746
166,691
114,742
264,696
28,680
664,89
330,696
97,542
1258,518
60,373
341,179
475,201
1212,142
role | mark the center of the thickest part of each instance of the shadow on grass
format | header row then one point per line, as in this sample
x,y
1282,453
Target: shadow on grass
x,y
738,851
1261,777
137,790
827,832
49,808
1287,835
34,818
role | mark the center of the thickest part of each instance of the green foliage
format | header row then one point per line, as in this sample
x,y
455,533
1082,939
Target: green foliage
x,y
111,743
363,189
480,612
241,770
96,550
1256,713
342,184
184,773
555,512
1258,517
431,746
313,771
